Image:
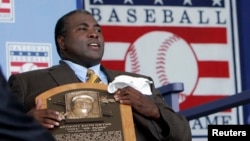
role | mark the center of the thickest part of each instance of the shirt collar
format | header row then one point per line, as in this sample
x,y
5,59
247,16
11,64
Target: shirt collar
x,y
81,71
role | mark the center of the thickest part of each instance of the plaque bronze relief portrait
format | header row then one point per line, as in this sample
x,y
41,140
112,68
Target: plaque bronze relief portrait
x,y
89,113
82,106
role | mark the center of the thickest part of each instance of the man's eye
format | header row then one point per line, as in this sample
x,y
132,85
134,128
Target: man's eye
x,y
98,30
81,28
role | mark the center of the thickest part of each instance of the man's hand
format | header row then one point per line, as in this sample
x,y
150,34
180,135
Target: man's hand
x,y
138,101
47,118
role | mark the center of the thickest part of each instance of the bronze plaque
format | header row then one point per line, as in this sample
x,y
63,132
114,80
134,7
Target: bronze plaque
x,y
89,113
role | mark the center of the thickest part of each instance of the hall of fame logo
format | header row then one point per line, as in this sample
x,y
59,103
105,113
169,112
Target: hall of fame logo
x,y
22,57
187,41
6,10
171,41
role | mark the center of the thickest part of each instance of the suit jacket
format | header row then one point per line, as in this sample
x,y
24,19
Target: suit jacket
x,y
171,126
15,125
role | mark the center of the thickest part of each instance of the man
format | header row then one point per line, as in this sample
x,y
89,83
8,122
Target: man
x,y
15,125
80,45
81,105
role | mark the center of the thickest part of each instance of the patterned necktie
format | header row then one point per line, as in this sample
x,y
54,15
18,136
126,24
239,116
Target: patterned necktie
x,y
92,77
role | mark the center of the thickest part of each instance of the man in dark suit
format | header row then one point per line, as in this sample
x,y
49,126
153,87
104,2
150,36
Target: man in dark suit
x,y
80,45
15,124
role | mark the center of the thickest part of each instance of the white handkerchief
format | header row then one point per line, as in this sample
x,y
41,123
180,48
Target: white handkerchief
x,y
138,83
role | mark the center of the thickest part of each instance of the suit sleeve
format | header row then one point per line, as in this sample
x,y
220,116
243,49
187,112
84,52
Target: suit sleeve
x,y
17,88
171,126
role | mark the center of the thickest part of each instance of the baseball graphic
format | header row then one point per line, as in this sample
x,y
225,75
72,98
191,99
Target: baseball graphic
x,y
28,67
166,57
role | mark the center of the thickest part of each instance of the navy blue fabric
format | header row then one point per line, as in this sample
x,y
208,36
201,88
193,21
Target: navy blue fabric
x,y
15,125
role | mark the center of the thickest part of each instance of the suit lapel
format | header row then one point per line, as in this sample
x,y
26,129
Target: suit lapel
x,y
58,74
111,74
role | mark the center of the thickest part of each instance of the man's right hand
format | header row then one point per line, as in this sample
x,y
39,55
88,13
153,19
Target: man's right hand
x,y
47,118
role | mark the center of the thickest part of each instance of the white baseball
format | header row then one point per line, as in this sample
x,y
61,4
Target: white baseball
x,y
164,56
28,67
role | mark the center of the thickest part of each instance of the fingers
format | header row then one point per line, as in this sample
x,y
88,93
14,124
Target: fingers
x,y
49,123
120,96
47,118
138,101
127,95
39,103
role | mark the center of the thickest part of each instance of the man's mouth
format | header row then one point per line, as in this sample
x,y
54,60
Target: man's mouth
x,y
94,45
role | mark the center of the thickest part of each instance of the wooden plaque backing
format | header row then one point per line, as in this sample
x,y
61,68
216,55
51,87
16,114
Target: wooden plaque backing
x,y
128,131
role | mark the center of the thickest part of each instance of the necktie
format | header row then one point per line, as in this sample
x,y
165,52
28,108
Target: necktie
x,y
92,77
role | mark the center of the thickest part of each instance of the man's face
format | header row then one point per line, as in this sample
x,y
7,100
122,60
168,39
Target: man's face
x,y
83,42
83,105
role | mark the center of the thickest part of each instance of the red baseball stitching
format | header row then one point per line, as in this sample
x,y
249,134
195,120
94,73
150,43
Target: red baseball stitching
x,y
161,60
134,59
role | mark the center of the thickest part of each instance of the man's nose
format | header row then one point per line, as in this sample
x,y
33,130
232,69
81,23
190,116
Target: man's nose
x,y
92,35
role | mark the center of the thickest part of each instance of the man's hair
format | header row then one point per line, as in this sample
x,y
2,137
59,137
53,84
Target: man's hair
x,y
83,97
61,25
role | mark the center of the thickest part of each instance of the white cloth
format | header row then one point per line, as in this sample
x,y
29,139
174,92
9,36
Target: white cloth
x,y
138,83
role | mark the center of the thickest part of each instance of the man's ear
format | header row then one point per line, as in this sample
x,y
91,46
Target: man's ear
x,y
60,41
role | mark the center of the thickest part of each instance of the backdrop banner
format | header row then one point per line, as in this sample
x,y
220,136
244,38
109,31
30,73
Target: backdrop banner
x,y
189,41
